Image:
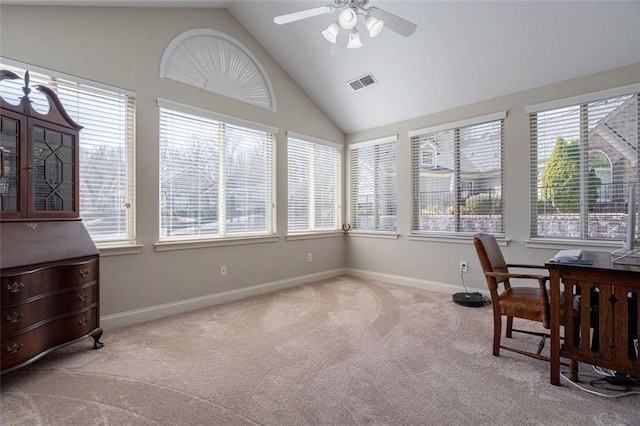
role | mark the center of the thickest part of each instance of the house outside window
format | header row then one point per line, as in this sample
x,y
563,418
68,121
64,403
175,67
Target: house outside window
x,y
584,163
217,176
373,185
460,191
314,181
107,146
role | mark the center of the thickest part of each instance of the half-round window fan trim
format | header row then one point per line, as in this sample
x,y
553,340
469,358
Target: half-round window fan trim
x,y
215,61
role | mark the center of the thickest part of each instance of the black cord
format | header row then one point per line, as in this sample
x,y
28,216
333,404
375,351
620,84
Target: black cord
x,y
605,384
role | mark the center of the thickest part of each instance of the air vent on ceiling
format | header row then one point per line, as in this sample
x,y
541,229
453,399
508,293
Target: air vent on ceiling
x,y
362,82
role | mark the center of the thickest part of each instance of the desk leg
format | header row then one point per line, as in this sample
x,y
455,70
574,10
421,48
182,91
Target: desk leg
x,y
555,326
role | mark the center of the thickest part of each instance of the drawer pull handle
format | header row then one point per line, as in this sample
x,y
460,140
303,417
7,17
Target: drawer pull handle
x,y
84,272
14,317
14,349
82,297
15,287
82,321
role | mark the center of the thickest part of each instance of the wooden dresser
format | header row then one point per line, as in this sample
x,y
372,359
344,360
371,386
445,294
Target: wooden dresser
x,y
49,265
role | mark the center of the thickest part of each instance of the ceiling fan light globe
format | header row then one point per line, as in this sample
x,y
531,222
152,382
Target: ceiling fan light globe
x,y
331,33
348,18
374,26
354,40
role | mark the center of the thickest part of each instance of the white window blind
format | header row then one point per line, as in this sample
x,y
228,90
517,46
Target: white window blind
x,y
216,178
373,197
458,189
314,179
584,158
107,147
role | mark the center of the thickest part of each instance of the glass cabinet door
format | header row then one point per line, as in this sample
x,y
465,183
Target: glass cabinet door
x,y
9,165
53,177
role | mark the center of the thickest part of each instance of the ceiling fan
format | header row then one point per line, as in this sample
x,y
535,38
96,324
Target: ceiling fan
x,y
374,20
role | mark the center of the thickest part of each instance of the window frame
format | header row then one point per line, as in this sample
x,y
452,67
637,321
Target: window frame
x,y
462,185
226,238
581,102
337,196
352,194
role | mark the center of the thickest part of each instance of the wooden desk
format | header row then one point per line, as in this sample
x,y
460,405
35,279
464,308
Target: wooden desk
x,y
608,293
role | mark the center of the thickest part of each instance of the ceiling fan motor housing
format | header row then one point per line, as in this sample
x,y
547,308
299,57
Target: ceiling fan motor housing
x,y
356,4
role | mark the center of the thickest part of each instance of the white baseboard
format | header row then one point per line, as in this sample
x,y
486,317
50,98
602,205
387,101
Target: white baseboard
x,y
109,322
412,282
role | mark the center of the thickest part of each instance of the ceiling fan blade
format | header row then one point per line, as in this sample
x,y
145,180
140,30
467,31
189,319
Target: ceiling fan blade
x,y
393,22
303,14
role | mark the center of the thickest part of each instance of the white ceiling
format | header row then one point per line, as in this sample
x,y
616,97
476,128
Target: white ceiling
x,y
462,52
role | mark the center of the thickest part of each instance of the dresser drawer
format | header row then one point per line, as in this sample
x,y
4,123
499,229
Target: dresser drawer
x,y
24,346
14,318
18,285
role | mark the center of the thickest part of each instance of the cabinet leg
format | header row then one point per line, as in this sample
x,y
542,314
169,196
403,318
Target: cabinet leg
x,y
97,344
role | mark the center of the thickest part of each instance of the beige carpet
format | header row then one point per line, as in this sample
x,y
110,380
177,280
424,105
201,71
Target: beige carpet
x,y
338,352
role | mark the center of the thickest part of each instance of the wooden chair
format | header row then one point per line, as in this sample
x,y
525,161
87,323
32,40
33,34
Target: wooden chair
x,y
531,303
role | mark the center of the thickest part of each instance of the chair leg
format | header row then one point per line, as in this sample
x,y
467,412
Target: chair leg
x,y
497,331
509,327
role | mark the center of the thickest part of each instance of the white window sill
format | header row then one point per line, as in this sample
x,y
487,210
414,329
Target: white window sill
x,y
451,238
373,234
557,244
115,249
313,235
221,242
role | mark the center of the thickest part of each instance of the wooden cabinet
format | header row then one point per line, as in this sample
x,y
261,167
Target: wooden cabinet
x,y
49,279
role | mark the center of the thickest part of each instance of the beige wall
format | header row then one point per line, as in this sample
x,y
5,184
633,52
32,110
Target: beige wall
x,y
428,262
123,47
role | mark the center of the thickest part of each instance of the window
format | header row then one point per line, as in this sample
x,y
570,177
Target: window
x,y
314,184
373,195
584,156
107,146
216,175
459,190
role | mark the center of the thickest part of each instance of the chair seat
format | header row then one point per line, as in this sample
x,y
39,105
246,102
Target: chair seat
x,y
524,302
521,302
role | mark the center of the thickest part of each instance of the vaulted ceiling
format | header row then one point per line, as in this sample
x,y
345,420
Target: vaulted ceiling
x,y
462,51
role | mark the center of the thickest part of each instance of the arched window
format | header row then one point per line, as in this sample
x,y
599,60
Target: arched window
x,y
217,62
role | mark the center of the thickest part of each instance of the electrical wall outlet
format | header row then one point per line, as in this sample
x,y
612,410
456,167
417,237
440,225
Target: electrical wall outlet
x,y
223,271
464,266
309,258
